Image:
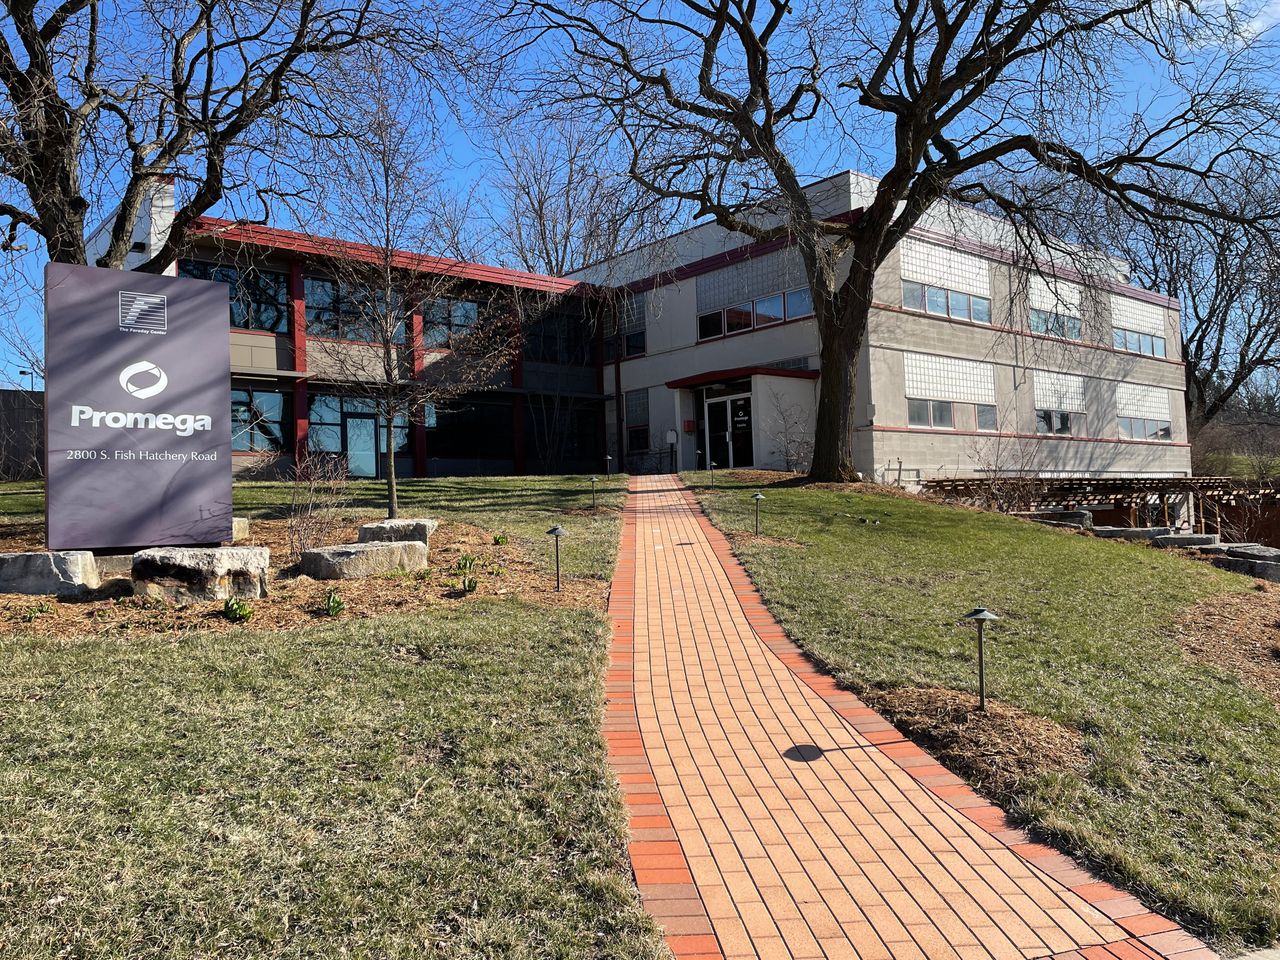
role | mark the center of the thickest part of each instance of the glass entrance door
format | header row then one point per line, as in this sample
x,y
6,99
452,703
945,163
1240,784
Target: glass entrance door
x,y
729,432
362,445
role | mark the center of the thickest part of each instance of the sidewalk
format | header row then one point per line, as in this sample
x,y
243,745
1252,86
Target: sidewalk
x,y
774,816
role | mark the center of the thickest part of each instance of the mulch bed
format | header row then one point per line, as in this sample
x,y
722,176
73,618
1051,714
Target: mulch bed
x,y
294,601
994,751
1238,632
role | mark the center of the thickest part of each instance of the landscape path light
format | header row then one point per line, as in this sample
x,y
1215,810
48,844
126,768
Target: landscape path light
x,y
757,497
594,481
556,533
982,615
608,465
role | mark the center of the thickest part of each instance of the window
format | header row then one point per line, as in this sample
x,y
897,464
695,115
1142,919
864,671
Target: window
x,y
1060,422
258,421
347,312
637,419
324,430
711,325
1052,324
769,310
1133,341
444,319
631,319
1140,428
737,319
799,303
945,303
938,414
259,298
988,422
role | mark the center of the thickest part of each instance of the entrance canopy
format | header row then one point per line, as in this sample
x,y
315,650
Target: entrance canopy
x,y
712,377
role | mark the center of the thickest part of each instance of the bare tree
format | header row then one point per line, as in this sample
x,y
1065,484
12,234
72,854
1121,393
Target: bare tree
x,y
402,329
1228,282
997,105
102,102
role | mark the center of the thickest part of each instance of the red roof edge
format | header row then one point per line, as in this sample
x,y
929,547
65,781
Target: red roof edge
x,y
737,373
292,241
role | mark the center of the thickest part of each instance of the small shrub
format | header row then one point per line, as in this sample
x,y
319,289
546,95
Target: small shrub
x,y
333,604
39,610
469,584
500,540
465,565
237,610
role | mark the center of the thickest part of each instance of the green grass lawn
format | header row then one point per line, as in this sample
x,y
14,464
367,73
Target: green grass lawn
x,y
432,785
1181,798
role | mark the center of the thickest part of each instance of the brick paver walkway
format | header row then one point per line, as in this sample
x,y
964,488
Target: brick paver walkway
x,y
775,816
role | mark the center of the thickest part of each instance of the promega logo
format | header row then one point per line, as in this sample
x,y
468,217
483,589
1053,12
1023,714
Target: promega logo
x,y
139,388
141,380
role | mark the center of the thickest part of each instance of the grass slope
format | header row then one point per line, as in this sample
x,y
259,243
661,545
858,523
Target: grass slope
x,y
1181,799
397,787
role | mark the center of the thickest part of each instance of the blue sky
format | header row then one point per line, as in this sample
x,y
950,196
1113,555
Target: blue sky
x,y
466,168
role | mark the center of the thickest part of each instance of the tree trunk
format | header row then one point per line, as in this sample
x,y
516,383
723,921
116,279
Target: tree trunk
x,y
842,323
389,468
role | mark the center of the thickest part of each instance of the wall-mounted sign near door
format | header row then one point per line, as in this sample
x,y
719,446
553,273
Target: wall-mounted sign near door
x,y
138,409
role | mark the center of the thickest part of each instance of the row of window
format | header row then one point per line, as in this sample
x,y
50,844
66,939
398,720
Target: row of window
x,y
941,415
765,312
964,306
945,303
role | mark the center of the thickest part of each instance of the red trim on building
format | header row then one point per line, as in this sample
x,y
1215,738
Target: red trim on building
x,y
737,373
298,336
274,238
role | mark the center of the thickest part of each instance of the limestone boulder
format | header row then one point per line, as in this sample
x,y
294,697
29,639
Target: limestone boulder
x,y
239,529
62,573
350,560
190,574
398,530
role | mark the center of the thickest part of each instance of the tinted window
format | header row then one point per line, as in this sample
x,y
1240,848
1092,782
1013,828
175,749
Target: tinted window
x,y
799,303
942,414
710,325
737,318
986,417
912,295
769,310
918,413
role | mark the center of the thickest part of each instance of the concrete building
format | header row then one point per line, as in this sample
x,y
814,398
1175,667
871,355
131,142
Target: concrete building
x,y
974,362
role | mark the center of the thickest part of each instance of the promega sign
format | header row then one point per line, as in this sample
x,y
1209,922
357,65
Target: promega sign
x,y
139,432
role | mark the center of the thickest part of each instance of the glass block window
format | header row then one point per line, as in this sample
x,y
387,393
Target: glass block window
x,y
1059,391
949,378
1139,400
1053,295
750,279
1137,315
929,263
632,322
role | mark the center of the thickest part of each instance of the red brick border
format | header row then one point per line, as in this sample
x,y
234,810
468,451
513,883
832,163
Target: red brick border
x,y
1152,936
657,859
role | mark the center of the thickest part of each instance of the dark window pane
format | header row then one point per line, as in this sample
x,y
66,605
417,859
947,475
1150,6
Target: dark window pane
x,y
737,319
635,343
987,420
1165,431
325,409
769,310
637,439
1044,421
327,439
710,325
942,414
799,303
918,413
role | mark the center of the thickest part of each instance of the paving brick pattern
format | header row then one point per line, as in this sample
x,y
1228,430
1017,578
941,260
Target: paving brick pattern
x,y
776,816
